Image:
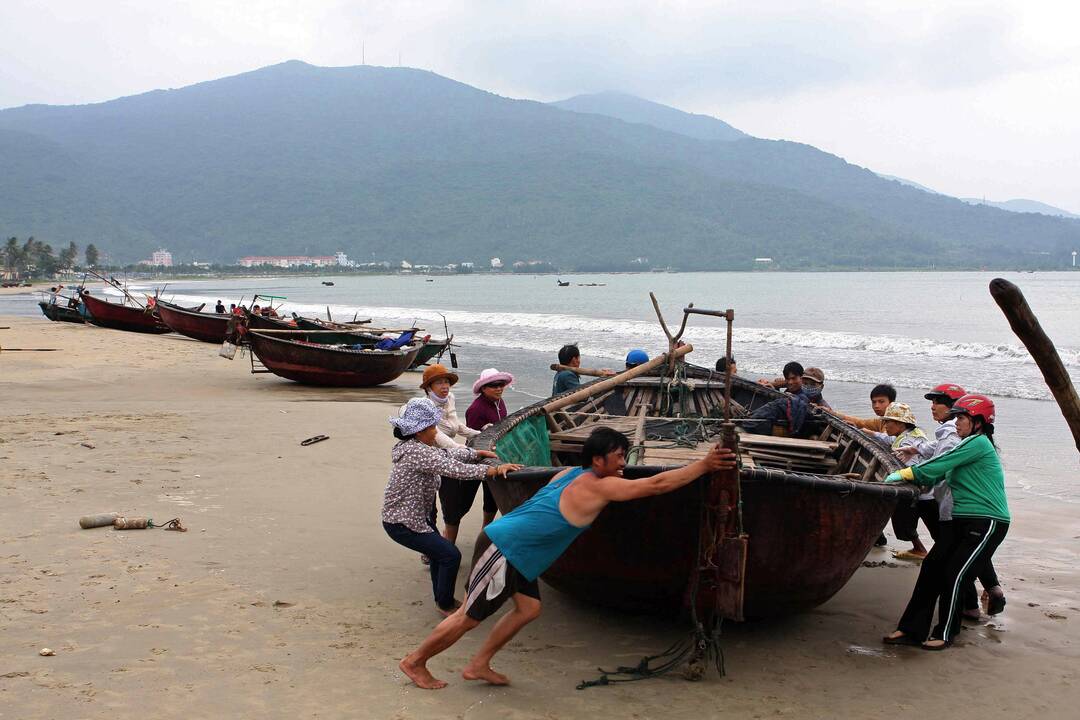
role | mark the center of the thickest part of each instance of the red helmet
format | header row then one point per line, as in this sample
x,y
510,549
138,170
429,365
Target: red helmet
x,y
950,390
974,406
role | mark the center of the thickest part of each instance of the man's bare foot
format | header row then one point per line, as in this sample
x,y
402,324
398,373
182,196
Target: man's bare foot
x,y
486,674
420,675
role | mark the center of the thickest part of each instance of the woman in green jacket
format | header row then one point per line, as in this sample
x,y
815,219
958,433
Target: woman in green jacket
x,y
980,521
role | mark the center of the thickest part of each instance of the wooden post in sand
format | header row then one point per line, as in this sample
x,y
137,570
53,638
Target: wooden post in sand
x,y
1027,328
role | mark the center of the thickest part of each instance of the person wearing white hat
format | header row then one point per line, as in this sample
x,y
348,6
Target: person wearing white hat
x,y
488,408
418,467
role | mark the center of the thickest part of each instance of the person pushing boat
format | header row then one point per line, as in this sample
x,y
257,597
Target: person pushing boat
x,y
514,550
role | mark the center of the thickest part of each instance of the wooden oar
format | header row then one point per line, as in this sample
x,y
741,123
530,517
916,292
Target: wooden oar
x,y
334,332
1027,328
622,377
591,372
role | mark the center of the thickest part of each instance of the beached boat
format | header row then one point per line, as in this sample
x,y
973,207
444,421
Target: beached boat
x,y
61,312
364,334
317,364
207,327
131,318
786,533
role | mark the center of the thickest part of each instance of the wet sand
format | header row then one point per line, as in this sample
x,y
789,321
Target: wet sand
x,y
286,599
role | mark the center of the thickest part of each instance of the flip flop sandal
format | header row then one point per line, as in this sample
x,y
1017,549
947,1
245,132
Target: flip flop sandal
x,y
910,556
902,640
995,605
936,648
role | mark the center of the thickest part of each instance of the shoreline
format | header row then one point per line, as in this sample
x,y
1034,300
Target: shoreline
x,y
40,285
285,597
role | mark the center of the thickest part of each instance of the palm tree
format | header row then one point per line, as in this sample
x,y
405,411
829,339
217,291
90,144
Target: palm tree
x,y
12,255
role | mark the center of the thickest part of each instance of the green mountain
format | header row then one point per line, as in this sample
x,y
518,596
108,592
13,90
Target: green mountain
x,y
395,163
636,110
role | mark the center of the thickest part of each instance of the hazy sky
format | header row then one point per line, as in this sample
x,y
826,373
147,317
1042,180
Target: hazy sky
x,y
969,98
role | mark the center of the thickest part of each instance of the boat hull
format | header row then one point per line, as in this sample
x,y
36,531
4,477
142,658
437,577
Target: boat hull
x,y
207,327
807,523
428,351
61,313
805,543
313,364
122,317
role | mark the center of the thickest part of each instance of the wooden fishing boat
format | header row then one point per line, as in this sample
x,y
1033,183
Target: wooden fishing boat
x,y
207,327
131,318
789,530
366,335
61,313
316,364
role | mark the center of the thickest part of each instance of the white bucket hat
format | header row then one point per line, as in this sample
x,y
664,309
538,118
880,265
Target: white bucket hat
x,y
491,375
419,413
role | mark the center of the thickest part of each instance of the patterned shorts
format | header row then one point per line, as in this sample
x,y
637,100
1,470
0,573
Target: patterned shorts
x,y
493,581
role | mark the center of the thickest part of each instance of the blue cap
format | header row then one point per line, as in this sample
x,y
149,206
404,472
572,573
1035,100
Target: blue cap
x,y
637,356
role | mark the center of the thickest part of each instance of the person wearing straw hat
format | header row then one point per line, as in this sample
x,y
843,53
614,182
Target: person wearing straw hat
x,y
418,468
902,432
436,383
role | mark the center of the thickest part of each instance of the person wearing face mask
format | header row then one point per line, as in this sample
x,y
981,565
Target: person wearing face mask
x,y
436,383
419,468
980,522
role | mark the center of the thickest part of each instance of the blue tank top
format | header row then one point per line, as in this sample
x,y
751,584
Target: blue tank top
x,y
535,534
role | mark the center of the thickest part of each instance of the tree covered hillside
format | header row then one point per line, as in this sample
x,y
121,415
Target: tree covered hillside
x,y
395,163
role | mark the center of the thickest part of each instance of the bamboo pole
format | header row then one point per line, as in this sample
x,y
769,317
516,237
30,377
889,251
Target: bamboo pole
x,y
1027,328
622,377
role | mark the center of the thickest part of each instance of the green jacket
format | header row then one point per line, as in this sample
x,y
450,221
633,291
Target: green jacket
x,y
973,472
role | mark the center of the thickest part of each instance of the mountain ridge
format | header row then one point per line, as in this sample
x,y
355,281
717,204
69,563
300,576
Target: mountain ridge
x,y
397,163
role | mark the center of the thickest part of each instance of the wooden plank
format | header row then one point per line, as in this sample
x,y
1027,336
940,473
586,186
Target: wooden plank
x,y
785,442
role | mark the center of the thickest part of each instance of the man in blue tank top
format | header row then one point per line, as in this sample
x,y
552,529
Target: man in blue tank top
x,y
514,550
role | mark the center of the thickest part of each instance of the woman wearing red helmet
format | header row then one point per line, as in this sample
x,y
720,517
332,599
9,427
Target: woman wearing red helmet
x,y
980,522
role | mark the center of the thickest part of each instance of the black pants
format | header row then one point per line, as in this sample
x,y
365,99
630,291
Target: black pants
x,y
905,521
952,564
457,497
927,511
969,598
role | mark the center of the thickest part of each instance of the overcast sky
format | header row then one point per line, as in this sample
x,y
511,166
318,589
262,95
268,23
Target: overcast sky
x,y
969,98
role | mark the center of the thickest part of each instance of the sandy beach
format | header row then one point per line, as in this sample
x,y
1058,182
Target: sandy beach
x,y
285,598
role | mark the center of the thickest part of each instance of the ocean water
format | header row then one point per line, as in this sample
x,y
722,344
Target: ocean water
x,y
913,330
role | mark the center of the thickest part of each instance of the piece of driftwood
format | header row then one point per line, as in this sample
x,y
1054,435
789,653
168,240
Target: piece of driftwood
x,y
1027,328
